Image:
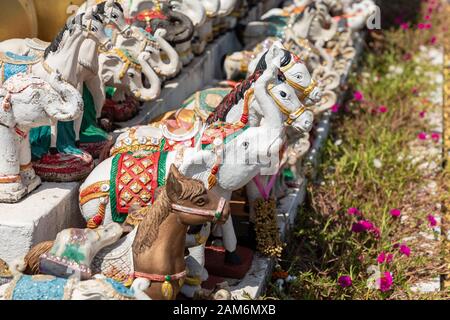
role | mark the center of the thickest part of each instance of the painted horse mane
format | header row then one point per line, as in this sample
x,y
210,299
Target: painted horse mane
x,y
155,214
233,98
238,93
101,7
54,45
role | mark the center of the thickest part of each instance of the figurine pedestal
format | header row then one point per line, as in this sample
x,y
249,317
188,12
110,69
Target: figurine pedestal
x,y
51,208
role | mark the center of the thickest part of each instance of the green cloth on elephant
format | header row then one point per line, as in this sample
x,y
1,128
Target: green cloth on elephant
x,y
90,132
40,137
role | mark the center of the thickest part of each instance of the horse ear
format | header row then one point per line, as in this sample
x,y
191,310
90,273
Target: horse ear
x,y
175,172
173,186
109,3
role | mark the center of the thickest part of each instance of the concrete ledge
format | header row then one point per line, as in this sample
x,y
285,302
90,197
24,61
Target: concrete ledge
x,y
38,217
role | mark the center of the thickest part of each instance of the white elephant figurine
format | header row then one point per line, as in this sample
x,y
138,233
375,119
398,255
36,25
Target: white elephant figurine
x,y
28,102
121,70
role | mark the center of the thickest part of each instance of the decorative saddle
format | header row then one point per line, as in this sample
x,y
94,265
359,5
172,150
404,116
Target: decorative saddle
x,y
12,64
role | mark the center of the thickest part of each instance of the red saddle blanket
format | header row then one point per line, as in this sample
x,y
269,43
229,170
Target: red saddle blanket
x,y
135,181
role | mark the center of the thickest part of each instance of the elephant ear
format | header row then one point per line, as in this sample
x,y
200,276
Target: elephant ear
x,y
6,113
109,68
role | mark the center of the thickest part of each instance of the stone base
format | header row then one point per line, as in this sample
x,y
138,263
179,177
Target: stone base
x,y
38,217
64,167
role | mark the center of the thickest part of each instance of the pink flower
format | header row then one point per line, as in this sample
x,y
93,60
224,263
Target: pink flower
x,y
382,109
404,249
432,220
361,226
422,114
428,26
376,231
385,282
358,96
389,258
335,108
421,26
427,17
353,211
381,257
395,212
345,281
407,56
404,26
435,136
422,136
433,40
415,90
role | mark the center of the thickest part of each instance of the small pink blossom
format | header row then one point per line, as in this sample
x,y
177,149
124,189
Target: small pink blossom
x,y
415,90
435,136
422,114
353,211
432,220
385,282
382,109
433,40
345,281
404,26
335,108
404,249
395,212
361,226
422,136
428,26
389,258
376,231
421,26
381,257
427,17
358,96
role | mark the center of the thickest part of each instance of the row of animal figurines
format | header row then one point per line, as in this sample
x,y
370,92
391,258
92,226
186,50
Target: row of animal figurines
x,y
187,163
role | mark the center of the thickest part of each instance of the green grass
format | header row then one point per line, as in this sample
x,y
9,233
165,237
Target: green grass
x,y
322,246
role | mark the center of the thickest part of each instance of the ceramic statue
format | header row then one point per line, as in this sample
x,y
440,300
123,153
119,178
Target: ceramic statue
x,y
154,249
29,102
64,55
74,249
196,12
163,58
155,14
120,70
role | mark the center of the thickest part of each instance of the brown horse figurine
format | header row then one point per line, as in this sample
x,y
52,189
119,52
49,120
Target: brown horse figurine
x,y
154,250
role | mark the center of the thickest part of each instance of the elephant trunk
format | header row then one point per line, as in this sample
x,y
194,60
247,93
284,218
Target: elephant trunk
x,y
148,94
72,106
165,69
182,29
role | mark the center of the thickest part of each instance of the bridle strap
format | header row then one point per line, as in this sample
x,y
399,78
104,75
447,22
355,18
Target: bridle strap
x,y
159,277
216,214
292,116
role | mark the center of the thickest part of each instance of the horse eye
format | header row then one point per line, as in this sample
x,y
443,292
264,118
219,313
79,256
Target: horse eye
x,y
200,202
283,94
245,144
94,29
115,16
131,75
